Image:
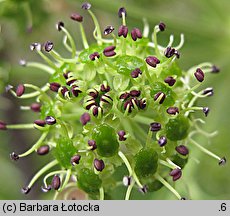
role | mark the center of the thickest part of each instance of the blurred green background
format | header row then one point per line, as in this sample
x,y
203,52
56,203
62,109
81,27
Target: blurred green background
x,y
206,25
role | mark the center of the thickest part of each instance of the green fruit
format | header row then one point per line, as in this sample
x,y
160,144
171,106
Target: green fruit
x,y
64,151
88,181
177,129
106,140
146,162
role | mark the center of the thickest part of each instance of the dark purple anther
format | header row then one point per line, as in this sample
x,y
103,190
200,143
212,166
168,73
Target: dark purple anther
x,y
126,180
48,46
85,118
121,135
54,86
183,150
40,122
64,91
108,30
56,182
144,189
22,62
155,126
124,96
25,190
121,11
160,95
43,150
46,189
20,90
123,31
94,55
86,6
95,111
14,156
128,105
222,161
50,120
161,26
215,69
75,159
99,165
135,93
3,125
208,91
76,17
142,104
36,107
199,74
162,141
75,91
136,33
169,52
176,174
92,143
152,61
170,81
136,72
105,88
172,110
206,111
59,25
35,46
109,51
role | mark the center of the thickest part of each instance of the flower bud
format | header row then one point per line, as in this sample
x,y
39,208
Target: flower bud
x,y
56,182
43,150
20,90
99,165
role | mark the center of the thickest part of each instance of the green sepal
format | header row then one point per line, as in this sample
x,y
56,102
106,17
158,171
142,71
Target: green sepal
x,y
88,181
64,151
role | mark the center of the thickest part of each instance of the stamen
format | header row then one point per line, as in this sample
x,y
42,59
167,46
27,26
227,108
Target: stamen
x,y
85,118
167,185
99,165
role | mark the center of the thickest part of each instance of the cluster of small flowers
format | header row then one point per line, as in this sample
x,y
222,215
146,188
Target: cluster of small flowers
x,y
133,109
